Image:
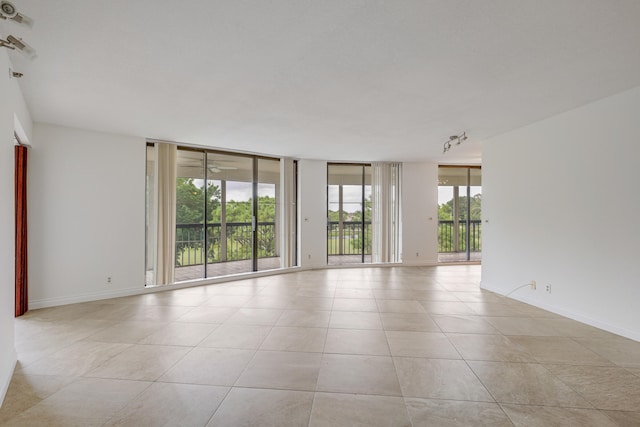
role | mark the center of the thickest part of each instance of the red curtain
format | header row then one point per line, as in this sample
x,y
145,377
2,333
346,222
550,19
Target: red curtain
x,y
22,303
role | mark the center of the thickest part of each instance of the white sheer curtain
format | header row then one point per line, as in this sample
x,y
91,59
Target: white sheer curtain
x,y
166,213
385,212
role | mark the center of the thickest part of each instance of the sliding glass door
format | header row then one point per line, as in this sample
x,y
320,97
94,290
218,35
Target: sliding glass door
x,y
191,193
459,214
348,214
226,214
230,231
267,208
151,216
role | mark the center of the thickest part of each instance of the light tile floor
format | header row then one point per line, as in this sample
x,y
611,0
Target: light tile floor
x,y
360,346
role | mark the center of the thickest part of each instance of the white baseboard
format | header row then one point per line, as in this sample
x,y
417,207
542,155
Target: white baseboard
x,y
575,315
95,296
427,263
6,372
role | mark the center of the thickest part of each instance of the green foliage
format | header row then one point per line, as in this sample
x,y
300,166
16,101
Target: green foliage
x,y
190,201
266,209
445,210
243,211
352,231
446,236
351,243
190,210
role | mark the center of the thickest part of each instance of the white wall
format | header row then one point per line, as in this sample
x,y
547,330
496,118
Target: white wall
x,y
312,199
419,213
86,215
12,109
562,200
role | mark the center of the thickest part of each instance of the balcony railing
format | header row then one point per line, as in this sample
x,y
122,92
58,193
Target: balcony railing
x,y
446,236
351,231
190,240
231,243
348,240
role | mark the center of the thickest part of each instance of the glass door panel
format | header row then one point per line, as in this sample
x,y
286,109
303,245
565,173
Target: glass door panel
x,y
150,217
334,232
351,222
268,214
475,215
190,196
230,214
366,258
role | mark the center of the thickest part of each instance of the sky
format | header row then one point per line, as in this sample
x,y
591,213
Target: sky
x,y
351,196
242,191
445,193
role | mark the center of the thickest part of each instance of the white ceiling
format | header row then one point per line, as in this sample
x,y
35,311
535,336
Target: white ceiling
x,y
333,79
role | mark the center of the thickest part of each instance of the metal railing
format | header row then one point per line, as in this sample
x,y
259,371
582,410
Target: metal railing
x,y
348,240
190,240
446,236
233,243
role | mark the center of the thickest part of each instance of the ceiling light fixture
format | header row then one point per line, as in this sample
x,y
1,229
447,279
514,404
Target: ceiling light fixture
x,y
9,11
14,43
454,140
14,74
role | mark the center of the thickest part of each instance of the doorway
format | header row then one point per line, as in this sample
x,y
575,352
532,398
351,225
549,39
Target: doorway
x,y
21,238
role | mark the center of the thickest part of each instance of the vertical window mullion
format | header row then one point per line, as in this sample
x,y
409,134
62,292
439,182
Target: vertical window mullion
x,y
468,233
205,252
254,208
363,226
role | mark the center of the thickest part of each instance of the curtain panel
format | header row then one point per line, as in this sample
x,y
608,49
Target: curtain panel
x,y
166,213
385,212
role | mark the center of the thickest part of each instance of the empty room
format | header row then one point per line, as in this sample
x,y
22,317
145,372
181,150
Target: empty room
x,y
319,213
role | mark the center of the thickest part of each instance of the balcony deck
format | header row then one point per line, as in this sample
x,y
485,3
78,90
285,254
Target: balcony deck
x,y
193,272
459,257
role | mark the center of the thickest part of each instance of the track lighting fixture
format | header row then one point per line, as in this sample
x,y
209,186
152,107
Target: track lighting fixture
x,y
454,140
9,11
16,43
14,74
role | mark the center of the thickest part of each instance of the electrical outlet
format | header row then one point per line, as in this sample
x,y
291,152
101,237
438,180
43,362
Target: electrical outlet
x,y
548,288
109,279
533,284
417,254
